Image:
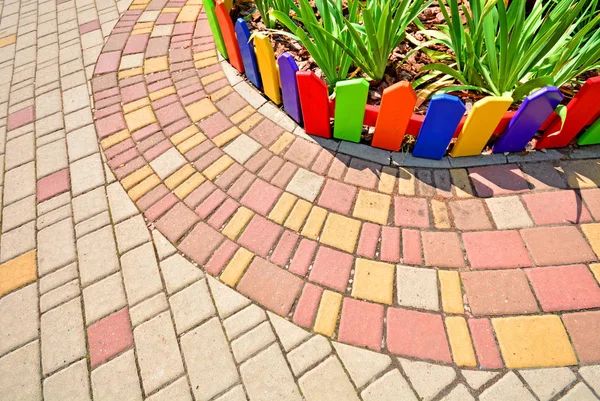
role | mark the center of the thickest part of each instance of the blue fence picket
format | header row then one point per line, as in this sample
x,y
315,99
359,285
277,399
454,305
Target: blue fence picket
x,y
443,116
247,51
289,86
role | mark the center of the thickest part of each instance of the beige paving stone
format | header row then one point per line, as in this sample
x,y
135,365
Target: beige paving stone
x,y
53,203
54,216
427,379
508,387
20,151
20,318
131,233
508,213
58,278
18,213
235,394
16,242
191,306
89,204
20,377
121,207
86,174
179,390
289,334
591,375
140,274
252,342
309,354
103,298
62,335
59,295
97,255
579,393
361,364
389,387
209,362
243,321
148,309
227,300
417,287
162,245
242,148
267,377
476,378
459,393
117,380
92,224
178,272
460,183
19,183
546,383
71,383
327,381
167,163
157,352
56,246
305,184
82,142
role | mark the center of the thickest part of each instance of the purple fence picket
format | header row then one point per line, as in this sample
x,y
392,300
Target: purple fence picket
x,y
289,86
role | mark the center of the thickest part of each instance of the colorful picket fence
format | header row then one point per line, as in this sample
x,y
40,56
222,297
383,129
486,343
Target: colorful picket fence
x,y
305,99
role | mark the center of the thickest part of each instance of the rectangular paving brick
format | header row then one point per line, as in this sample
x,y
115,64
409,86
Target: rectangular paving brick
x,y
331,268
109,337
484,343
498,180
557,245
283,251
411,212
558,207
495,249
470,214
442,249
303,257
200,243
583,328
411,247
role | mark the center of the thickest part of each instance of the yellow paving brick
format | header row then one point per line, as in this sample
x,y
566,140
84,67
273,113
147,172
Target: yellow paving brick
x,y
179,176
206,62
184,134
218,167
340,232
221,93
209,79
372,206
137,7
135,105
595,268
314,223
237,223
141,31
452,301
440,214
143,187
592,232
387,181
170,10
136,177
298,215
132,72
373,281
282,208
189,185
282,142
114,139
251,122
406,182
140,118
582,173
461,183
8,40
533,341
204,54
227,136
188,14
17,272
164,92
142,25
240,115
460,341
236,267
192,142
156,64
201,109
327,314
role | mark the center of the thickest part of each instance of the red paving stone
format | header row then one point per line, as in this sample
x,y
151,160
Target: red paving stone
x,y
442,249
498,292
221,257
362,173
390,244
260,235
337,196
307,305
561,288
331,268
177,222
160,207
470,214
302,152
211,203
270,286
484,343
53,185
89,27
361,324
201,242
558,207
20,118
583,328
283,251
368,240
109,337
266,132
498,180
592,201
223,213
303,256
411,247
557,245
108,62
261,197
411,212
495,249
215,124
417,334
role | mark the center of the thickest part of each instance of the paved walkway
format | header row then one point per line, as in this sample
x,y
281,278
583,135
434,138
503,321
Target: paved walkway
x,y
212,251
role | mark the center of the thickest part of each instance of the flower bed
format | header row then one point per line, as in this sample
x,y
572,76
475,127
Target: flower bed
x,y
305,97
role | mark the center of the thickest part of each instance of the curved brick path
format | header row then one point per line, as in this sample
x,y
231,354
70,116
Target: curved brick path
x,y
450,275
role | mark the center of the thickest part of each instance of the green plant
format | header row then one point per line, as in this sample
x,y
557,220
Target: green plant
x,y
265,6
504,51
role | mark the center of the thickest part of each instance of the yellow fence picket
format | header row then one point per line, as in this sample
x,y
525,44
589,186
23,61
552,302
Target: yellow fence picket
x,y
266,65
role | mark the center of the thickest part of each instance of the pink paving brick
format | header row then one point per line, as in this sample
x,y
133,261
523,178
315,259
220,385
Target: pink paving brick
x,y
259,159
417,334
560,288
303,257
242,184
177,126
337,196
221,257
260,235
322,162
157,47
197,151
557,207
136,44
261,197
332,268
583,328
229,176
53,185
361,324
411,247
109,125
109,337
362,173
89,27
119,148
199,194
592,201
160,207
123,158
108,62
157,150
145,132
498,180
210,204
223,213
369,238
498,292
266,132
270,286
133,92
390,244
270,169
200,243
208,159
495,249
166,18
470,214
20,118
152,196
231,103
484,343
338,166
170,114
176,222
285,174
283,251
307,305
215,124
102,111
302,152
411,212
442,249
104,82
129,167
557,245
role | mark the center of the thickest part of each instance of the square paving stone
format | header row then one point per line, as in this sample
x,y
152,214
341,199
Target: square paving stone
x,y
117,379
442,249
260,235
583,328
556,208
20,377
340,232
470,214
200,243
495,249
176,222
363,173
261,197
508,212
491,181
242,148
417,287
372,206
592,201
20,318
331,268
302,152
305,184
361,324
557,245
411,212
373,281
337,196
